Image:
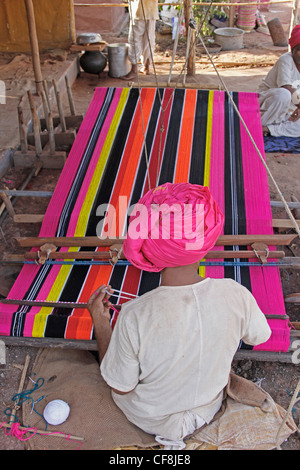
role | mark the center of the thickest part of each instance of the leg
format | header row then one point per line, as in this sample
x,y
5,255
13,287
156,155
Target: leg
x,y
135,40
148,45
274,106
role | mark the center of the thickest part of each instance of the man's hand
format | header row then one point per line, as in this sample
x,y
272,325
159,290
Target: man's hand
x,y
98,304
295,115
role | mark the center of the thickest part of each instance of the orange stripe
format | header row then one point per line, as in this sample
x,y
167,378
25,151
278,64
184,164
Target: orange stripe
x,y
132,152
79,324
186,138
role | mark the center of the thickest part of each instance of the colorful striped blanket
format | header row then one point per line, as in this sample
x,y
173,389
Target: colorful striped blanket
x,y
190,135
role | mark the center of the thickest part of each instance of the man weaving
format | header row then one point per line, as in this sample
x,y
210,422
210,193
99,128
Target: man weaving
x,y
169,356
279,97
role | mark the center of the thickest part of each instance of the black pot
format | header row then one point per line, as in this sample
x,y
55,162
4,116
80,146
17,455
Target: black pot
x,y
93,62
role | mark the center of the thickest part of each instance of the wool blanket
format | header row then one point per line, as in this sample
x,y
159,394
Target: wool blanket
x,y
135,139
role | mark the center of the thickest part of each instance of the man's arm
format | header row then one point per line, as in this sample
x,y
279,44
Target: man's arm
x,y
98,306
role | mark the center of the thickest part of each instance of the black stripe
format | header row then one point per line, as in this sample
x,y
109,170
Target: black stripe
x,y
171,145
197,166
78,273
150,137
239,176
19,318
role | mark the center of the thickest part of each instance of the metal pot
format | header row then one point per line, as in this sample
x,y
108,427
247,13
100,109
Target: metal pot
x,y
93,62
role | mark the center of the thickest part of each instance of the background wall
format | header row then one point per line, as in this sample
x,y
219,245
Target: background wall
x,y
55,25
99,19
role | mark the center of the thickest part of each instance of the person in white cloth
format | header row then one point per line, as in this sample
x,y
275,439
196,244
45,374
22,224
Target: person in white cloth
x,y
141,37
169,356
279,93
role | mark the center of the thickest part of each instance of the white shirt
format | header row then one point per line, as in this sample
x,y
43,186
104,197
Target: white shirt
x,y
173,347
283,72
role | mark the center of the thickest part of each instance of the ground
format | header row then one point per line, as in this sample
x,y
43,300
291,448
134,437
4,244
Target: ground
x,y
241,70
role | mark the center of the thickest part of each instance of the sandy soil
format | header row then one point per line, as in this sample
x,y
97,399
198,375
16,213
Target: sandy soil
x,y
242,71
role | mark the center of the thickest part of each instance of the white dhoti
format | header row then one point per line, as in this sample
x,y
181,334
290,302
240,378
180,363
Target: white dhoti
x,y
191,422
276,108
141,40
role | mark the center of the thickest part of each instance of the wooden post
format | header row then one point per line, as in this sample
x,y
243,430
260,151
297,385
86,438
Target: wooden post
x,y
189,38
59,107
8,204
36,125
22,130
70,96
34,45
51,134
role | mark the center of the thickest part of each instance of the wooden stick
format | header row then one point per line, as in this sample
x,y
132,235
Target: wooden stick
x,y
46,108
8,205
51,134
34,45
46,91
204,4
105,255
70,97
60,107
22,130
45,433
26,193
223,240
21,385
36,125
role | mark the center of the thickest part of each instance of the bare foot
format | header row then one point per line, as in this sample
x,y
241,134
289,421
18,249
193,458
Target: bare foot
x,y
146,68
132,74
265,131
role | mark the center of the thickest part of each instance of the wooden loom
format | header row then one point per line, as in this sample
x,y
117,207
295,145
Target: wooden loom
x,y
45,250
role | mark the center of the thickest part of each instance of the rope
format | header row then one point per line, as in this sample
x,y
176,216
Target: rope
x,y
294,400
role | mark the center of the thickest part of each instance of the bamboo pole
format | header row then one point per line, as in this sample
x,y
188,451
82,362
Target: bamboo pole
x,y
204,4
34,45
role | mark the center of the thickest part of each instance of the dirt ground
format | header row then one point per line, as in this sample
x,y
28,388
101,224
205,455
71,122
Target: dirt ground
x,y
241,70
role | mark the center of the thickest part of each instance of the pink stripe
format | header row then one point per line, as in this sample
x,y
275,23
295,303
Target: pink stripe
x,y
216,183
51,278
266,283
94,162
53,212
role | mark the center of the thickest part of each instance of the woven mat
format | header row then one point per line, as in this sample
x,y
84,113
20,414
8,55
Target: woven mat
x,y
249,419
74,376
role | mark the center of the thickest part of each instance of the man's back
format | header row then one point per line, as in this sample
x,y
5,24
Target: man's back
x,y
173,347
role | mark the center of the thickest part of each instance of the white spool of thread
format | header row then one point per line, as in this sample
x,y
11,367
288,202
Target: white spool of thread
x,y
56,412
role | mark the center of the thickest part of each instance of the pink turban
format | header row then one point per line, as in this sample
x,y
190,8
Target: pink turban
x,y
295,37
172,225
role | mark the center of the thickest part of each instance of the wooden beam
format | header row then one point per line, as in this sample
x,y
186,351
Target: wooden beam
x,y
91,345
223,240
28,218
105,255
26,193
284,223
